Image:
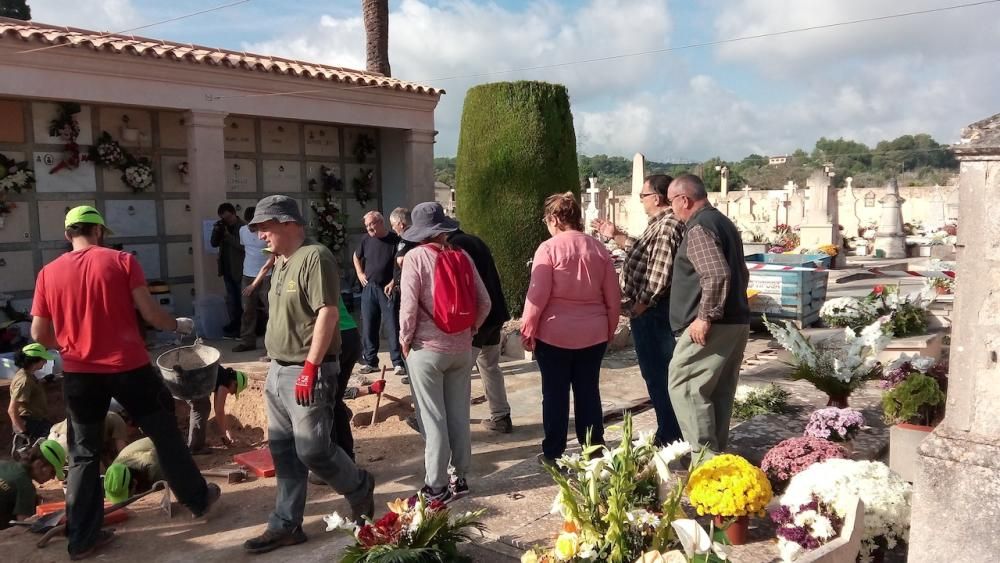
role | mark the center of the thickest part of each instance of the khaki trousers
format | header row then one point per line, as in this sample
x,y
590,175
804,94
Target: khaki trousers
x,y
702,383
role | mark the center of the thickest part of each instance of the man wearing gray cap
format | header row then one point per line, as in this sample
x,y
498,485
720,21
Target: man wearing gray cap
x,y
303,342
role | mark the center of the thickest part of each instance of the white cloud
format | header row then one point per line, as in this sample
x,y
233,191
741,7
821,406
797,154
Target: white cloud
x,y
461,38
100,15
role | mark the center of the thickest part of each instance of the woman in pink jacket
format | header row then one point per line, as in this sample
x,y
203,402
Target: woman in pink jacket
x,y
570,315
439,361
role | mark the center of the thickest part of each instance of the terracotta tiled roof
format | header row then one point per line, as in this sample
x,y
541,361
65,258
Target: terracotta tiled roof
x,y
39,35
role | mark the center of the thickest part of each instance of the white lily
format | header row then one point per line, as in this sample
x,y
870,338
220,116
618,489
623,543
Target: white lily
x,y
337,522
696,541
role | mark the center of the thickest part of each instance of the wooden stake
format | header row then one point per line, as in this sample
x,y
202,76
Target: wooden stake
x,y
378,399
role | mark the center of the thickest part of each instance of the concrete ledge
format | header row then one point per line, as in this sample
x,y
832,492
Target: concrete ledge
x,y
923,345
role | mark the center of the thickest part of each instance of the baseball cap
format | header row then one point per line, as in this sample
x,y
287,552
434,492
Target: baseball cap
x,y
54,453
280,208
86,214
36,350
116,480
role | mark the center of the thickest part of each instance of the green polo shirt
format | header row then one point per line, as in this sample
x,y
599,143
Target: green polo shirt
x,y
301,285
17,492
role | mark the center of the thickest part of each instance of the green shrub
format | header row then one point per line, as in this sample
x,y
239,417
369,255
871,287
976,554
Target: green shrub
x,y
917,400
516,147
751,401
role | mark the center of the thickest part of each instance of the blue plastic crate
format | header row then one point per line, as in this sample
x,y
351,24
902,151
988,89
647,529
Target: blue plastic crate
x,y
789,295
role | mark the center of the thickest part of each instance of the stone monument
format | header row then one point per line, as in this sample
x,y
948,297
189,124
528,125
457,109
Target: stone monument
x,y
956,500
890,241
592,212
821,220
636,214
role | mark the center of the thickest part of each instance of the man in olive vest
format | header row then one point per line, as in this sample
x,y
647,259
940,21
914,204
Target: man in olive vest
x,y
709,315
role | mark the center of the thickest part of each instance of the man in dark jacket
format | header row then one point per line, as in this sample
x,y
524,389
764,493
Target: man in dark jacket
x,y
709,315
226,237
486,342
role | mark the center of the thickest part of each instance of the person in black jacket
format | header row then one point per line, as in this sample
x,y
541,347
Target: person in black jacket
x,y
486,342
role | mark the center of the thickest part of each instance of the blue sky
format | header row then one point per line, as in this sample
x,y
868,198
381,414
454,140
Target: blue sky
x,y
932,73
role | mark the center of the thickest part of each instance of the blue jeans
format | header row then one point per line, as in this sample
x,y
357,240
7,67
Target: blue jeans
x,y
300,442
563,369
654,346
377,311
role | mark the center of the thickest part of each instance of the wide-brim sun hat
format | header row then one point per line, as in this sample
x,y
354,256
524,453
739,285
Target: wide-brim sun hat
x,y
429,221
280,208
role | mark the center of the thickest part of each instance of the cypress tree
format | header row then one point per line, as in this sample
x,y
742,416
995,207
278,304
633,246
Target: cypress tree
x,y
517,146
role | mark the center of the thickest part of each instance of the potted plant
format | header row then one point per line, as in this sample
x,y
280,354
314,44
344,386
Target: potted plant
x,y
805,527
913,404
848,312
837,483
616,503
729,488
792,456
836,425
836,366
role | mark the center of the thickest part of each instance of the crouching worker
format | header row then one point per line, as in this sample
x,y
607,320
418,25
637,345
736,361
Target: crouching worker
x,y
42,462
135,470
29,407
227,382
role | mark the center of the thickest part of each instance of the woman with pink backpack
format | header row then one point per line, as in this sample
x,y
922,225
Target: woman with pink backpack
x,y
443,303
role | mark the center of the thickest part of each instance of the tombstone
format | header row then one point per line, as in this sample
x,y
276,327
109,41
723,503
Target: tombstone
x,y
610,207
890,238
723,180
821,214
591,212
637,219
955,491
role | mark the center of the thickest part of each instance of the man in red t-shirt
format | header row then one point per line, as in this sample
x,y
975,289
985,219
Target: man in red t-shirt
x,y
84,305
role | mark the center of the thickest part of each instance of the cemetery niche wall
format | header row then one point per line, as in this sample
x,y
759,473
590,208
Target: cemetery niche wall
x,y
156,135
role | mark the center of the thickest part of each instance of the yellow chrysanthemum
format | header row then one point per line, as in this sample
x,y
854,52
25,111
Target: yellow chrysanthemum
x,y
728,485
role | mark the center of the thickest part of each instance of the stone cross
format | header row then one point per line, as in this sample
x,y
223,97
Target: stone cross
x,y
723,179
592,212
636,214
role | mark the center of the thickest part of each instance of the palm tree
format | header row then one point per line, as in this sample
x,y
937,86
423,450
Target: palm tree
x,y
376,14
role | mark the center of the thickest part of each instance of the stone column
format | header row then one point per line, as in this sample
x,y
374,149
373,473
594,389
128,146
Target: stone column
x,y
637,219
207,178
956,499
890,238
418,156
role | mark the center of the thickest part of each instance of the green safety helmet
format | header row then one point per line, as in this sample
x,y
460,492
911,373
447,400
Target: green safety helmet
x,y
241,382
36,350
86,214
116,481
54,453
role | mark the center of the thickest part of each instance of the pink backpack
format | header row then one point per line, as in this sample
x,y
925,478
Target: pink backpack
x,y
454,290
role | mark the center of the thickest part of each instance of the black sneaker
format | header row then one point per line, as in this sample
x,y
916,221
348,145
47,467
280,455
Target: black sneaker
x,y
365,508
459,487
501,425
213,492
273,539
104,537
430,495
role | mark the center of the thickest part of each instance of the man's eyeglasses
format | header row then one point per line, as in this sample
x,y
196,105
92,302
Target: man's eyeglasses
x,y
647,194
671,200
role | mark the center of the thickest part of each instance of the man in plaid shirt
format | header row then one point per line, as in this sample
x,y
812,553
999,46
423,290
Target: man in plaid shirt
x,y
709,314
645,291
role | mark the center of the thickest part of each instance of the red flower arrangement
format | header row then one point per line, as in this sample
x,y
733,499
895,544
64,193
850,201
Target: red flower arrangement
x,y
788,458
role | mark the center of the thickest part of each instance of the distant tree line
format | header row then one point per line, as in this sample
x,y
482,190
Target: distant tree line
x,y
913,159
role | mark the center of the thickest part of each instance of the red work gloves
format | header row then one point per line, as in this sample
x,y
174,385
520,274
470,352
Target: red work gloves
x,y
306,384
377,387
